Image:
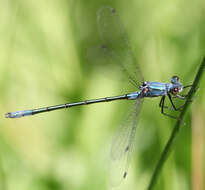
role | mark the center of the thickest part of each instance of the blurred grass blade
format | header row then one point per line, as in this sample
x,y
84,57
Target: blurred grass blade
x,y
175,131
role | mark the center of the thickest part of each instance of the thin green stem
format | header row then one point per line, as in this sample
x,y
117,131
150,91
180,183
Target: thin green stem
x,y
175,131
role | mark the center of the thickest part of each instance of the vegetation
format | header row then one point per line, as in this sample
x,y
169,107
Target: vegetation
x,y
44,61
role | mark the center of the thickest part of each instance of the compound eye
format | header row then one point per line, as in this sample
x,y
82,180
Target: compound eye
x,y
175,79
144,84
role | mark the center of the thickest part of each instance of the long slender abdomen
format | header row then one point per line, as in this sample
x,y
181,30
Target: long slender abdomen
x,y
23,113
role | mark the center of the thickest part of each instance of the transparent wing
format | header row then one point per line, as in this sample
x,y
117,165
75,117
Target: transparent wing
x,y
103,56
116,43
123,144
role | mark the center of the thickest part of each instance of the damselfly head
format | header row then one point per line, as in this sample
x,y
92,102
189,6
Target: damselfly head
x,y
176,85
174,79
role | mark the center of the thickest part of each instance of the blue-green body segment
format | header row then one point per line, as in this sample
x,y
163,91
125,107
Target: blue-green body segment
x,y
155,89
18,114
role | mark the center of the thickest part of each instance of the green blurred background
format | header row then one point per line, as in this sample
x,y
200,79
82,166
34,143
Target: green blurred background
x,y
43,61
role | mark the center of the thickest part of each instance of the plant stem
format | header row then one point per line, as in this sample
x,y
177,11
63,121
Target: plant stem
x,y
175,131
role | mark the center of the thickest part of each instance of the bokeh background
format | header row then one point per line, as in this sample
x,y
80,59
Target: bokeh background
x,y
43,61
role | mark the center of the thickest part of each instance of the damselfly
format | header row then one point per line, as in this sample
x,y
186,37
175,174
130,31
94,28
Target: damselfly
x,y
116,47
